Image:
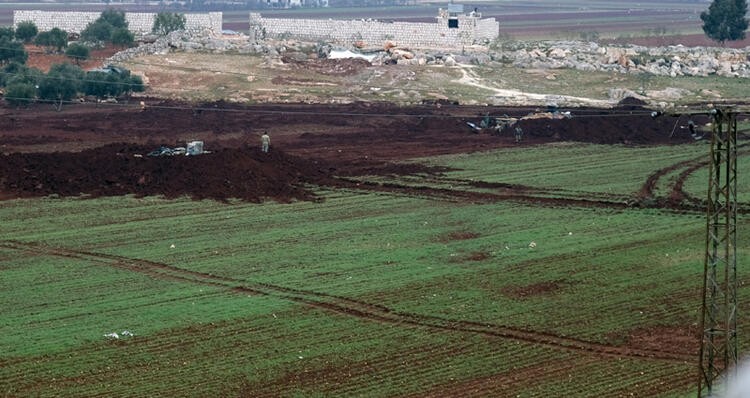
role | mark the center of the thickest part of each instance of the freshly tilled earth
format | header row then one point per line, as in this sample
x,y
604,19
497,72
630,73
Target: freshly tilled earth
x,y
101,150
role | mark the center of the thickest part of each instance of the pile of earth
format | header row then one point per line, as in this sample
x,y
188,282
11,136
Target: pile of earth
x,y
91,150
121,169
629,123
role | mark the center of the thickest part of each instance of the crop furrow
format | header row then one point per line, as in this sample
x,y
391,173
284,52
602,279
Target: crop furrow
x,y
350,307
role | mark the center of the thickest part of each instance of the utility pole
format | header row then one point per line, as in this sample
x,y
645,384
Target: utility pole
x,y
718,352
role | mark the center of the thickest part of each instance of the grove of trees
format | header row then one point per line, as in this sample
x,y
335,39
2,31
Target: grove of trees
x,y
64,82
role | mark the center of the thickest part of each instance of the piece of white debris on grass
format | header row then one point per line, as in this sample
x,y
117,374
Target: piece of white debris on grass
x,y
172,246
532,245
117,336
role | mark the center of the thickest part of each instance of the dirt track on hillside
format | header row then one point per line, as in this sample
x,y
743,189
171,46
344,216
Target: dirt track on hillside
x,y
97,150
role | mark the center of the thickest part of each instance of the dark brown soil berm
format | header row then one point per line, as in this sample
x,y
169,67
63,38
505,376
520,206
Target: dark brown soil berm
x,y
90,150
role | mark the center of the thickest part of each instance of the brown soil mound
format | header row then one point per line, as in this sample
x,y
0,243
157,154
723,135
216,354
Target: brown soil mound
x,y
88,149
120,169
632,101
626,125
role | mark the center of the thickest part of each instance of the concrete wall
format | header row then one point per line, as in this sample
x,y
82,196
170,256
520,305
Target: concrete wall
x,y
138,22
471,30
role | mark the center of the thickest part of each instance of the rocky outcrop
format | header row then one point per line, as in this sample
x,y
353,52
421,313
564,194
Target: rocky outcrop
x,y
586,56
662,61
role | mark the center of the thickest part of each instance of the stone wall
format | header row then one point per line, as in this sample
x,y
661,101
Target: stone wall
x,y
471,30
138,22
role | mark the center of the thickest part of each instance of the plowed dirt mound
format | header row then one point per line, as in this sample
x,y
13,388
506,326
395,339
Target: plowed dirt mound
x,y
120,169
88,149
607,128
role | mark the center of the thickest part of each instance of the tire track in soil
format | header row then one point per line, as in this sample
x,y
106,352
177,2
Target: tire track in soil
x,y
676,192
459,196
348,306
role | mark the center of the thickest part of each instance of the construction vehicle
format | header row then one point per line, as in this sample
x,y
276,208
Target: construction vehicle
x,y
495,125
193,148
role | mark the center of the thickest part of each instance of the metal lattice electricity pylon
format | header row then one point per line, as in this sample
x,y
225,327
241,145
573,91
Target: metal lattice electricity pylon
x,y
718,352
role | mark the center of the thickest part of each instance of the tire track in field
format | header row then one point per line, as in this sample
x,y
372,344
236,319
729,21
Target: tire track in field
x,y
462,196
676,193
347,306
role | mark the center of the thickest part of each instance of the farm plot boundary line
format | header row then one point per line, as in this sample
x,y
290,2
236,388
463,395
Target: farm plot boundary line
x,y
348,306
457,195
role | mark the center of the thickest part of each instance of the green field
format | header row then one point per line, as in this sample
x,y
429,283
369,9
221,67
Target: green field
x,y
366,293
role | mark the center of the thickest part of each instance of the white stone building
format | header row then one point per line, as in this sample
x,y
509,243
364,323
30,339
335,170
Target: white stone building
x,y
453,29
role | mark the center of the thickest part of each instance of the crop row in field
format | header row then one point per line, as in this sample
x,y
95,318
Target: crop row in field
x,y
364,293
576,171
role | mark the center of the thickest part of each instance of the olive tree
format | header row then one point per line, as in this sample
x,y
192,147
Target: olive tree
x,y
110,27
97,31
725,20
166,22
12,51
116,18
77,52
26,30
19,93
55,38
15,72
7,32
62,83
122,37
111,83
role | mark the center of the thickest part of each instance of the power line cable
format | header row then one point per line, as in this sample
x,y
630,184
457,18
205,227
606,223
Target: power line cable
x,y
303,112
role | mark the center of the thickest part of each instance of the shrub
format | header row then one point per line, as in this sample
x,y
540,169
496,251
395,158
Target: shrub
x,y
166,22
26,30
62,83
122,37
20,93
7,33
110,27
97,31
18,73
55,38
77,52
12,51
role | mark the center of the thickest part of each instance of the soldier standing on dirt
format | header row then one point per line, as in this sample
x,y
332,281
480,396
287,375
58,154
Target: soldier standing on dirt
x,y
693,132
519,134
265,142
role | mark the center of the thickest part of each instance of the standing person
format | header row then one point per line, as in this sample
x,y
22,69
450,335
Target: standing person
x,y
519,134
265,142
